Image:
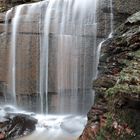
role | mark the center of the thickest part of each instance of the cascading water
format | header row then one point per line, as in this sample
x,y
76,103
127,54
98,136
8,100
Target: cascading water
x,y
111,18
72,53
12,58
53,44
8,13
111,14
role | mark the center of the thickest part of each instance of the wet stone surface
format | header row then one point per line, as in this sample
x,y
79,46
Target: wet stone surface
x,y
15,125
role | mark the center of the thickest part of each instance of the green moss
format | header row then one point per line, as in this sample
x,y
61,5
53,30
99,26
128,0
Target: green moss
x,y
128,81
124,62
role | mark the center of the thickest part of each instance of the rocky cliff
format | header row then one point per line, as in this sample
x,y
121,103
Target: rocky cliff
x,y
116,113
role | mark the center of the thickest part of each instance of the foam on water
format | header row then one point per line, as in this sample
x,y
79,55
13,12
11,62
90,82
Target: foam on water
x,y
51,127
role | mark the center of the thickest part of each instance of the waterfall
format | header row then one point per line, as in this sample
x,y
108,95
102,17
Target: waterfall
x,y
111,15
7,16
111,18
44,56
53,44
98,57
71,52
12,58
53,58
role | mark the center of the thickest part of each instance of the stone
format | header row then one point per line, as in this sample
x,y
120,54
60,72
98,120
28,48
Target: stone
x,y
2,17
134,18
17,125
106,81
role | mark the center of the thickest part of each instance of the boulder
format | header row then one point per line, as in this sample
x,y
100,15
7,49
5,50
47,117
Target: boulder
x,y
16,125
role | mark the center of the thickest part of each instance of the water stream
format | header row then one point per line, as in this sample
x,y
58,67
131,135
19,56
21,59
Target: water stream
x,y
111,19
12,60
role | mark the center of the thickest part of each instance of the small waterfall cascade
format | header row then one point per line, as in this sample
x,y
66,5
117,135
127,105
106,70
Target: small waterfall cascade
x,y
72,56
7,16
12,58
52,46
109,36
111,18
98,57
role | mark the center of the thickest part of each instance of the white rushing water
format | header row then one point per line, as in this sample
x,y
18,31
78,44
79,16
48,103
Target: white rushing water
x,y
7,16
75,17
68,21
111,19
68,14
44,51
12,58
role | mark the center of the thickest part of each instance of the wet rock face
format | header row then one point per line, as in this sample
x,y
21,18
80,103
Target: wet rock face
x,y
117,86
16,125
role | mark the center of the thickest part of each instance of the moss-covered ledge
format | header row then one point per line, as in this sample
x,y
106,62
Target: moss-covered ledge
x,y
116,113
